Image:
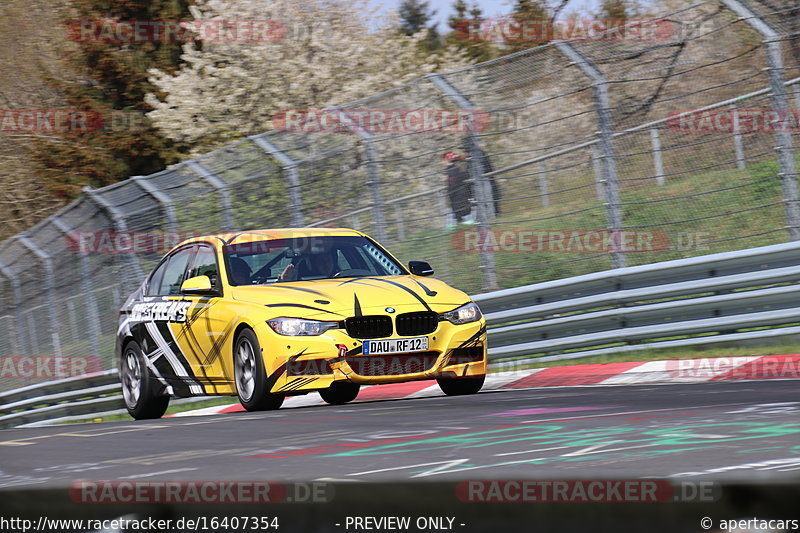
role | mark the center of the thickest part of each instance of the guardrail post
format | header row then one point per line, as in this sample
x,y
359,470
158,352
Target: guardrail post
x,y
92,314
222,190
16,294
543,185
289,167
658,162
780,104
118,220
485,208
373,176
160,197
50,283
738,145
605,138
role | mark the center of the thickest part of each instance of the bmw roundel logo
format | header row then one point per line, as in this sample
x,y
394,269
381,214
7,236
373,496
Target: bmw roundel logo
x,y
390,309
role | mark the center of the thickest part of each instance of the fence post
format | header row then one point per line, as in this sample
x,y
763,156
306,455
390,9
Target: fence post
x,y
118,220
796,92
543,185
373,176
598,174
483,188
658,162
737,139
289,167
92,313
160,197
16,293
222,190
50,283
400,221
606,148
780,104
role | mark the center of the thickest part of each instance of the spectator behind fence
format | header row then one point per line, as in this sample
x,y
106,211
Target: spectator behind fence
x,y
459,190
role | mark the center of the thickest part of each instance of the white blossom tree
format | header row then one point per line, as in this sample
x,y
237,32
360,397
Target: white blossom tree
x,y
332,52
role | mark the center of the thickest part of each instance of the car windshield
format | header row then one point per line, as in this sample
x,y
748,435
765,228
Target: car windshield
x,y
307,258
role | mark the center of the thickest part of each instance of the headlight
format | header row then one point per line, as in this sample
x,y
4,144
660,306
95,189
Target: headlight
x,y
463,315
298,326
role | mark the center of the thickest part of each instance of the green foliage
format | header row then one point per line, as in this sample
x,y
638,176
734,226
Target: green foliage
x,y
532,11
613,10
459,36
415,16
119,141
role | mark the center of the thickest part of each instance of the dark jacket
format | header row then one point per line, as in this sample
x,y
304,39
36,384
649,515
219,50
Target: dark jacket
x,y
459,190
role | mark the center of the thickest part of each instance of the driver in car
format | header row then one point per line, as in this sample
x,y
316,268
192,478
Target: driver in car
x,y
316,265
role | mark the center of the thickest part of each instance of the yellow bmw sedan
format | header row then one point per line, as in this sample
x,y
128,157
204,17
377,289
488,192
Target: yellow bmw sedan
x,y
273,313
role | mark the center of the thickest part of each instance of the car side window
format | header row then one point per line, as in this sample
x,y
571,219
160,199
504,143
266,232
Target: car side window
x,y
205,264
174,274
155,279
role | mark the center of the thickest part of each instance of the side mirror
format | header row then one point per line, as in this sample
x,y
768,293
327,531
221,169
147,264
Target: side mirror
x,y
198,285
420,268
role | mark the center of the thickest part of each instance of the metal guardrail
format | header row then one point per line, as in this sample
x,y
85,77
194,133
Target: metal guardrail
x,y
714,298
708,299
67,400
82,395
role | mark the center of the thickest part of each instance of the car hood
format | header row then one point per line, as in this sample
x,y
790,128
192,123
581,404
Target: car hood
x,y
353,296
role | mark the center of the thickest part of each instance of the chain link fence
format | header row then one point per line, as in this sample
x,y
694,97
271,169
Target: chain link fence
x,y
587,157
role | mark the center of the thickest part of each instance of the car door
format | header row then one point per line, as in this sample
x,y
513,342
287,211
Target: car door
x,y
160,319
208,325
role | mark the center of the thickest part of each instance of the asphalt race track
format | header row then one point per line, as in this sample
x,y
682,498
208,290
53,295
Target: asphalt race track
x,y
728,430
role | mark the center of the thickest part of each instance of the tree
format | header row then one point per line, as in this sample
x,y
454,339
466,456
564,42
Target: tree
x,y
616,10
415,17
461,22
112,83
330,54
530,12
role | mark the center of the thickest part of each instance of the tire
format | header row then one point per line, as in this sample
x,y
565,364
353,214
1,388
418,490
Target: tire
x,y
461,386
340,392
251,379
141,394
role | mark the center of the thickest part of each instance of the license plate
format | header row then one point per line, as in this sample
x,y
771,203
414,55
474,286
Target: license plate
x,y
386,346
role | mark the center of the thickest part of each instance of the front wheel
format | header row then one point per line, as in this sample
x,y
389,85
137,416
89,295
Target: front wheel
x,y
142,399
461,386
340,392
251,379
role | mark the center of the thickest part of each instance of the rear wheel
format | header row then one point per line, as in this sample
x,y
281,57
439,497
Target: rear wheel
x,y
251,378
461,386
142,397
340,392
